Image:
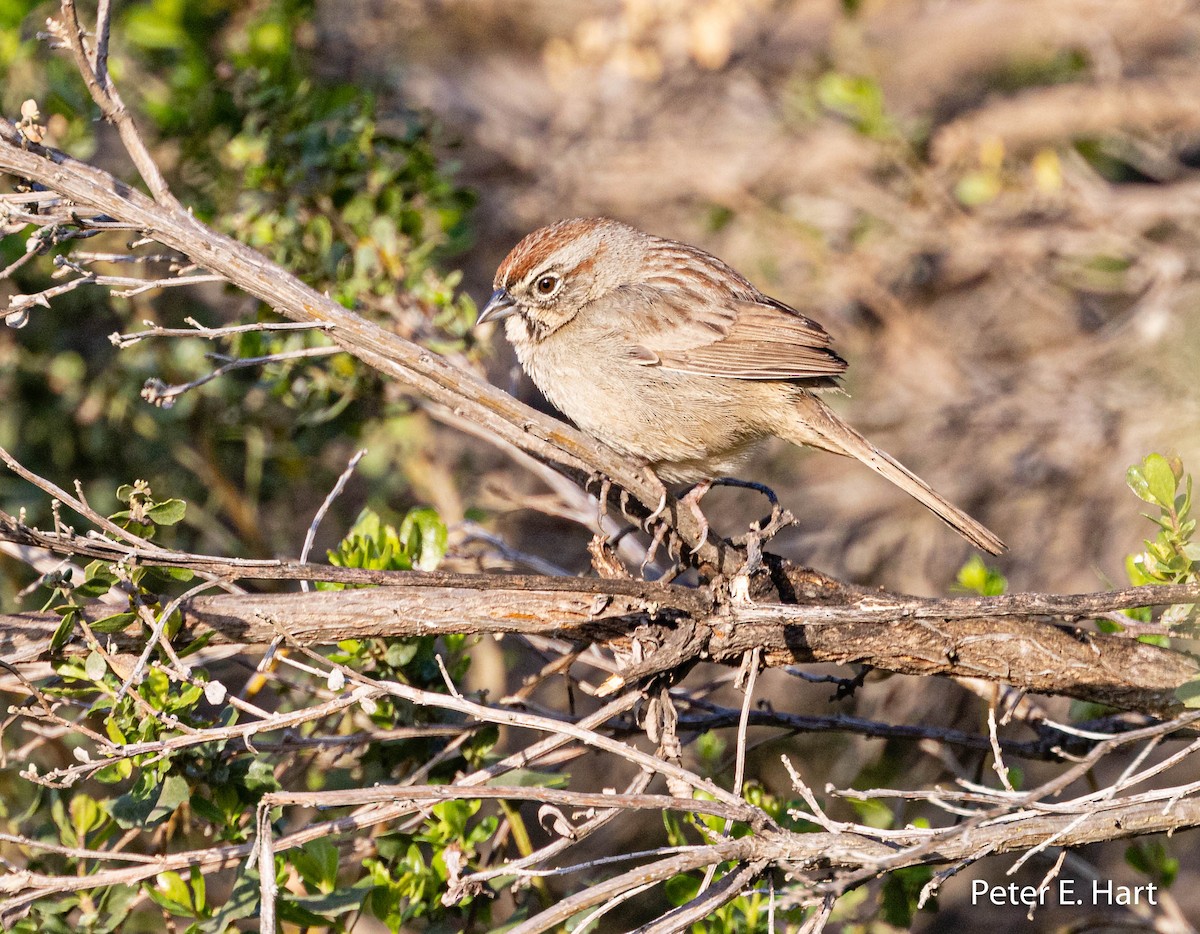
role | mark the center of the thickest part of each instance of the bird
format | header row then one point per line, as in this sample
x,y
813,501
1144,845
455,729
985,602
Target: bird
x,y
667,355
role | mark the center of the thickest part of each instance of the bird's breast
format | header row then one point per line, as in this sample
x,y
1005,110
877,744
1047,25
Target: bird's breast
x,y
690,426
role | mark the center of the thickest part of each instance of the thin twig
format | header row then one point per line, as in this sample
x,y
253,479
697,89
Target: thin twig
x,y
199,330
160,394
94,69
334,493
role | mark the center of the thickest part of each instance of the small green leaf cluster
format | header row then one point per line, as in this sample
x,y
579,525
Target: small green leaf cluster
x,y
141,584
1173,556
319,865
405,879
412,871
744,914
858,99
419,543
315,173
1153,860
975,576
901,890
145,514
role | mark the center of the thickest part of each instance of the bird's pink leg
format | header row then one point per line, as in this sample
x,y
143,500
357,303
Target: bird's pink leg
x,y
662,499
691,499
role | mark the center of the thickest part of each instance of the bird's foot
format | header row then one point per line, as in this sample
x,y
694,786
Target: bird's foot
x,y
662,499
601,498
655,543
691,499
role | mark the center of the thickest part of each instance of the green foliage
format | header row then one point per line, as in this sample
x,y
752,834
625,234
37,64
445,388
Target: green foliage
x,y
350,197
419,543
145,514
873,812
1152,859
710,750
1172,557
858,99
975,576
325,177
405,881
747,912
200,794
901,890
342,202
411,873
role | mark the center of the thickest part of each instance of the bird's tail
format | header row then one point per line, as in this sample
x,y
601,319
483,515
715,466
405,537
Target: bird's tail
x,y
818,426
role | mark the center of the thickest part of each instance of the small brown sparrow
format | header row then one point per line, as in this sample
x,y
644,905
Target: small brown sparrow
x,y
667,355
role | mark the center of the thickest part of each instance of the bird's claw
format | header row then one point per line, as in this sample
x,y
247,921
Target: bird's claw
x,y
692,500
658,510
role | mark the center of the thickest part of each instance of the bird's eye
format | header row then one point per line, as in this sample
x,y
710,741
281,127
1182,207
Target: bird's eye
x,y
546,285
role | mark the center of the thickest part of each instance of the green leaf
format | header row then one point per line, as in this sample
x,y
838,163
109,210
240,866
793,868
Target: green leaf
x,y
858,99
424,533
114,732
170,891
95,666
159,580
1188,693
317,863
117,902
319,908
241,903
177,574
149,802
976,576
168,512
98,580
64,630
1153,859
85,815
402,651
1153,481
900,892
260,778
681,889
115,623
530,778
710,747
207,810
199,888
873,812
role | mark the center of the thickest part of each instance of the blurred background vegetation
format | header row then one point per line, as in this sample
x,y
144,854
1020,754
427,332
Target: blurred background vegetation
x,y
313,173
993,206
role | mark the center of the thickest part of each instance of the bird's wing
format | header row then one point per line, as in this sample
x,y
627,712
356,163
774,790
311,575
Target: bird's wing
x,y
738,335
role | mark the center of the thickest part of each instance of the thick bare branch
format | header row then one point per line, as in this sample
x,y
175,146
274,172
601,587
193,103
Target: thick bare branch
x,y
679,626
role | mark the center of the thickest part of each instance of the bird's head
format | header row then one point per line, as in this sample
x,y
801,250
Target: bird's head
x,y
555,272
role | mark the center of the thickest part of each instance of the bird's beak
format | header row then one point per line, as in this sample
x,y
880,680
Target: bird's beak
x,y
500,305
